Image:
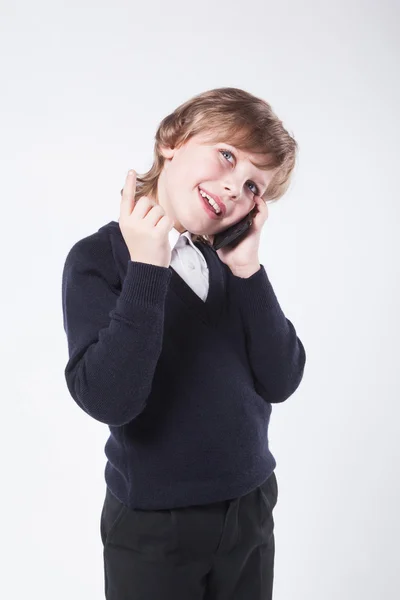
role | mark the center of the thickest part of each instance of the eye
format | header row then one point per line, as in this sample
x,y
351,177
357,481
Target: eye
x,y
257,191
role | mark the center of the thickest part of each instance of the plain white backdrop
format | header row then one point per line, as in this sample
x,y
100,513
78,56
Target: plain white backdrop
x,y
84,87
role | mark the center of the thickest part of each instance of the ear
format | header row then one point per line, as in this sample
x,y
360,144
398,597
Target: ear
x,y
167,151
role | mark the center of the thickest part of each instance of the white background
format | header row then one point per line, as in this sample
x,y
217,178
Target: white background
x,y
84,87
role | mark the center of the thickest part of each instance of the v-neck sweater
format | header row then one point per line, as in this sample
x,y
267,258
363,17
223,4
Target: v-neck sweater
x,y
185,386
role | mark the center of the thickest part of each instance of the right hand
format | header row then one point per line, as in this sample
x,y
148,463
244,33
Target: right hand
x,y
144,226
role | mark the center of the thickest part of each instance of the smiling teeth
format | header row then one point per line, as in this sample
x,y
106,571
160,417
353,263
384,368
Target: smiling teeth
x,y
211,201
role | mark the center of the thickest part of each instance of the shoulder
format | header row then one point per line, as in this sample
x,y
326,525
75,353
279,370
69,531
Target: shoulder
x,y
95,253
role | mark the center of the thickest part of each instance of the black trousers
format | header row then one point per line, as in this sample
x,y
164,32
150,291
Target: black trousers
x,y
219,551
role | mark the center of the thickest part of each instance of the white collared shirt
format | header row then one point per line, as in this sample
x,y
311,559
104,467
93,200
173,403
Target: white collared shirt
x,y
189,262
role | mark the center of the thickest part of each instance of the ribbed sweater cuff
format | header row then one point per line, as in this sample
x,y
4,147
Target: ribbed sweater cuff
x,y
145,285
257,293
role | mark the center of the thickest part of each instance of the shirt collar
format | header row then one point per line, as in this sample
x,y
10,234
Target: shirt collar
x,y
176,238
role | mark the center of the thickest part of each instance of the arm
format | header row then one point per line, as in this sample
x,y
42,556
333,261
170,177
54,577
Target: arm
x,y
114,339
276,355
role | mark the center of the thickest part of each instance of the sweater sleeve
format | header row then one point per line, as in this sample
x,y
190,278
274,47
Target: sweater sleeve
x,y
114,337
277,356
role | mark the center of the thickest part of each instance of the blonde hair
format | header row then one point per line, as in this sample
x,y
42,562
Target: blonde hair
x,y
232,115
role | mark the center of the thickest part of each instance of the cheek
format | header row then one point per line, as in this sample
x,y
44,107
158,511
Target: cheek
x,y
176,176
207,170
242,214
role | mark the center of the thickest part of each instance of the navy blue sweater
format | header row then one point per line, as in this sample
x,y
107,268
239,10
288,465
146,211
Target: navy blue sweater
x,y
185,386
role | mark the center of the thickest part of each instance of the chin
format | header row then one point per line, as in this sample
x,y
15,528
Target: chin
x,y
193,228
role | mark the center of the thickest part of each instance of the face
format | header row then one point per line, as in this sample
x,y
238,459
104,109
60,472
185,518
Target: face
x,y
217,168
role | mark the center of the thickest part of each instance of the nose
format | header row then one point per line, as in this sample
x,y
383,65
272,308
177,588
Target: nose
x,y
232,191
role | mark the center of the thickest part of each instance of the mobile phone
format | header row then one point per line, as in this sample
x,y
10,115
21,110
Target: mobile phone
x,y
234,233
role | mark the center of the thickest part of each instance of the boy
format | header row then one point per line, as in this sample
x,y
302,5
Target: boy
x,y
182,350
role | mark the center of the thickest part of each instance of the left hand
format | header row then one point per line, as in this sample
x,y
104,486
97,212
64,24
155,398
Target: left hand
x,y
245,253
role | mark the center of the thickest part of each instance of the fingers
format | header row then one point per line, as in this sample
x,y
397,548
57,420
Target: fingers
x,y
128,194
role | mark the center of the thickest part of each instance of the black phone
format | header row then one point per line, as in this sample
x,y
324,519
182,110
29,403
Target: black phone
x,y
234,233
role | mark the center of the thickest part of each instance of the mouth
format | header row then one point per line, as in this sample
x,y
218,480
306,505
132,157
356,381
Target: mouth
x,y
210,210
